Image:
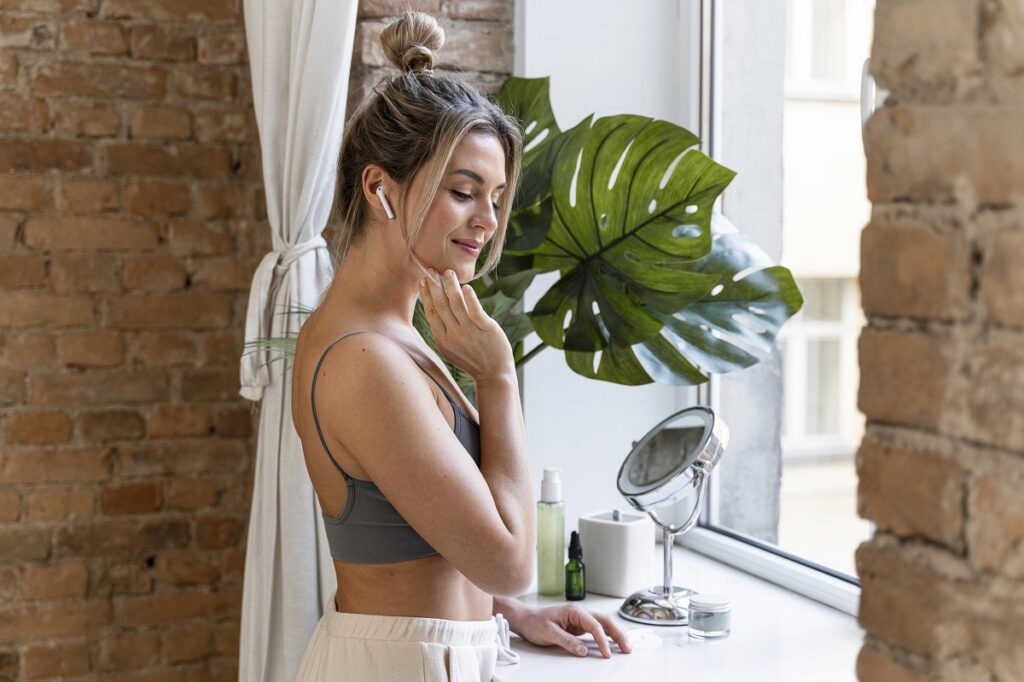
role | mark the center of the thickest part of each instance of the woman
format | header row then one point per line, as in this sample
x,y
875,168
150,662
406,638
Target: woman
x,y
428,504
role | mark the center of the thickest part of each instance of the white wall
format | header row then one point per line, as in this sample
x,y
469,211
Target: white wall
x,y
604,57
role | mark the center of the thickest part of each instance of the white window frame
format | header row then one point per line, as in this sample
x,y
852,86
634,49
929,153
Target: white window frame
x,y
748,554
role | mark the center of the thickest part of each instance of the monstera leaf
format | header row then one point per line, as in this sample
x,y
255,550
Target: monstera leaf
x,y
632,203
733,327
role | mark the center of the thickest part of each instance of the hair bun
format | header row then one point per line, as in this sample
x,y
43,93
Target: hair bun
x,y
411,40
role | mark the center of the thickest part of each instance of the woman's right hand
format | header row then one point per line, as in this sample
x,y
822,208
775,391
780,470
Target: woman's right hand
x,y
465,334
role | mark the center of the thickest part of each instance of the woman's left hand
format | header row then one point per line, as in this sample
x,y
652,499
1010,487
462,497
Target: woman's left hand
x,y
560,624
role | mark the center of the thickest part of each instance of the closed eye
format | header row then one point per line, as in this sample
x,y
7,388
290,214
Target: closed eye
x,y
462,196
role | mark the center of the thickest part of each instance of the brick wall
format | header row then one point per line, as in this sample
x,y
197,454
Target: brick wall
x,y
131,219
942,358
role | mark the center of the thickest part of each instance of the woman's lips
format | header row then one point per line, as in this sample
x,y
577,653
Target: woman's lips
x,y
467,249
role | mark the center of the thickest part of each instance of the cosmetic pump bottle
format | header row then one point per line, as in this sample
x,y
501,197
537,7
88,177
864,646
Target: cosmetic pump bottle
x,y
550,535
575,574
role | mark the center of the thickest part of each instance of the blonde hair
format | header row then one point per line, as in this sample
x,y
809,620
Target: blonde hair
x,y
412,122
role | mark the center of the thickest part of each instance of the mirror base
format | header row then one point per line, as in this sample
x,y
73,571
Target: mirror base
x,y
654,607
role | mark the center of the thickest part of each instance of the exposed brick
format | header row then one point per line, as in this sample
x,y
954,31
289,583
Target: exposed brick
x,y
114,536
223,274
191,494
221,201
183,457
28,349
196,161
392,8
1002,24
904,377
218,533
22,543
153,197
37,428
222,349
10,511
172,43
224,125
197,239
166,123
128,651
125,577
196,311
41,154
875,665
988,406
164,348
167,608
173,10
63,659
87,196
925,45
85,117
111,425
55,619
480,10
995,530
51,6
23,114
206,83
154,273
235,422
130,498
209,385
22,271
97,387
187,644
8,70
54,466
921,153
24,193
12,386
222,46
46,504
19,309
90,349
27,32
88,36
1002,278
73,273
178,421
911,493
73,233
125,80
55,581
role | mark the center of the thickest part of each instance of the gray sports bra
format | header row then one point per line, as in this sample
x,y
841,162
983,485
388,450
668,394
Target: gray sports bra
x,y
369,530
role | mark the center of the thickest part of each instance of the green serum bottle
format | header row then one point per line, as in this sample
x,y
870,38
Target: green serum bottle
x,y
575,571
550,534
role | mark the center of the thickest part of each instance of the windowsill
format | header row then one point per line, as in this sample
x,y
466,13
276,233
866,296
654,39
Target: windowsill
x,y
776,635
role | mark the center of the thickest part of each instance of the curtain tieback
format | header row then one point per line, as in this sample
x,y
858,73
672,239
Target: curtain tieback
x,y
265,281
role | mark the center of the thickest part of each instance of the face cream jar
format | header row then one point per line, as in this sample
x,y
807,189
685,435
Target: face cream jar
x,y
710,616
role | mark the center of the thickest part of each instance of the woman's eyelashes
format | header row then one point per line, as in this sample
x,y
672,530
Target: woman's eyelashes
x,y
462,196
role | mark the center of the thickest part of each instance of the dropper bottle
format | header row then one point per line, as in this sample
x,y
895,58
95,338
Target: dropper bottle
x,y
575,574
550,535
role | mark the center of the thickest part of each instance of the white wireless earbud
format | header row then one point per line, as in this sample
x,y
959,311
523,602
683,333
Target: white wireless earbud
x,y
384,202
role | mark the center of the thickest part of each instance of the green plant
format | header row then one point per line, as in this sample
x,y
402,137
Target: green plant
x,y
650,288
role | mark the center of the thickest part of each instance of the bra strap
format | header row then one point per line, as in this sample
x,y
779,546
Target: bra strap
x,y
312,400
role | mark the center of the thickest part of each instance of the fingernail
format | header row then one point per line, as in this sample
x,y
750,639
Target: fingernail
x,y
581,649
432,272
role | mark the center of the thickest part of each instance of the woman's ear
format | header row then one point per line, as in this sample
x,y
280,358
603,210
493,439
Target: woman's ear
x,y
375,183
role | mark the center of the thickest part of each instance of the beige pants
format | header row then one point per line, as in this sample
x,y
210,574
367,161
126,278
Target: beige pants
x,y
355,647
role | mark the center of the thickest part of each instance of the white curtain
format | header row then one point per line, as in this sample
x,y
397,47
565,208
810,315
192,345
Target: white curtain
x,y
300,52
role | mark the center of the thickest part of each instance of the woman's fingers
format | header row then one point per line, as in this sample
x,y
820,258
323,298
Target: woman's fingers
x,y
614,631
436,323
588,623
453,290
441,306
477,314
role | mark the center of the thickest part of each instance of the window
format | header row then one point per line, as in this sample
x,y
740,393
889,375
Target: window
x,y
784,498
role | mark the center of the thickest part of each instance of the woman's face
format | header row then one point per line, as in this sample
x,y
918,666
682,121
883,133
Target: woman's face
x,y
464,214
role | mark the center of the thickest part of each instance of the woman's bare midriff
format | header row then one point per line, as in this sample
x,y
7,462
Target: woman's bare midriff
x,y
429,587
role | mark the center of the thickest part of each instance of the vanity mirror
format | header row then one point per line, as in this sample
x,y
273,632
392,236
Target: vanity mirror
x,y
666,475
